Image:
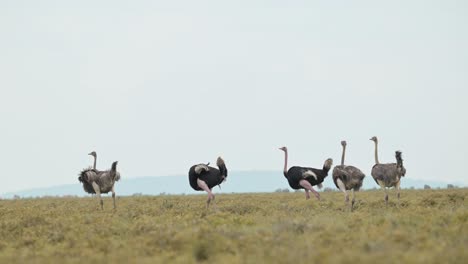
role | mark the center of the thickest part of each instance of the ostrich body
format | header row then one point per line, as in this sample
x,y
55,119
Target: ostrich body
x,y
347,177
388,175
203,177
305,177
97,182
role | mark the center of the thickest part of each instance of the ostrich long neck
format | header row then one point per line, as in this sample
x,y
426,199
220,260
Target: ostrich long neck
x,y
376,155
95,158
343,156
285,170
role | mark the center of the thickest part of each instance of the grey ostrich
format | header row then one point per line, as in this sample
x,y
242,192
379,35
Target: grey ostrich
x,y
304,177
347,177
388,175
203,177
98,182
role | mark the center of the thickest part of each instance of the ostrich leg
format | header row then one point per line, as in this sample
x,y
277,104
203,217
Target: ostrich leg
x,y
204,187
397,187
214,202
98,193
352,202
343,189
307,194
306,185
386,196
382,185
113,197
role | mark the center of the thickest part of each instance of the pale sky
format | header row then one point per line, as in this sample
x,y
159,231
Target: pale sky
x,y
161,85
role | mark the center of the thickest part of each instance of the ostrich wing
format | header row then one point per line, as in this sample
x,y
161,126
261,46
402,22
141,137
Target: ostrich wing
x,y
309,173
87,176
200,168
354,173
388,174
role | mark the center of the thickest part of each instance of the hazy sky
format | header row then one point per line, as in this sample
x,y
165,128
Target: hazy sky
x,y
161,85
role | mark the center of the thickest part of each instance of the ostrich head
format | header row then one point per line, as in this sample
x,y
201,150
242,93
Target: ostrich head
x,y
374,139
343,143
328,164
284,149
93,154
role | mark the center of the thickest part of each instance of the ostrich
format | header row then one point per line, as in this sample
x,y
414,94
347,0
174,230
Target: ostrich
x,y
100,181
347,177
388,175
305,178
203,177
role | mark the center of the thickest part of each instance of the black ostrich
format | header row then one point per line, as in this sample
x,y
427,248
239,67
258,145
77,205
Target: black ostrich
x,y
305,178
203,177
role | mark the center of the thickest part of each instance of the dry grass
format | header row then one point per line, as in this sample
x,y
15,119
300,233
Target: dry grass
x,y
430,226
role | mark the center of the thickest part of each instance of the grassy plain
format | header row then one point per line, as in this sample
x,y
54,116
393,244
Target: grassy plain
x,y
430,226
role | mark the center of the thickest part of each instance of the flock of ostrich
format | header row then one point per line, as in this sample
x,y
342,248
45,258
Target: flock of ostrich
x,y
203,177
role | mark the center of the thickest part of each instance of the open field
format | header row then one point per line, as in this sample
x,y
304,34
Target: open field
x,y
430,226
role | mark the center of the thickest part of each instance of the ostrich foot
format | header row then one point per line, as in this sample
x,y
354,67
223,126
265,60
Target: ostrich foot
x,y
307,196
317,195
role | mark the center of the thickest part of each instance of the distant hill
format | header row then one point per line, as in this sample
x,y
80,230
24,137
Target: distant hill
x,y
237,182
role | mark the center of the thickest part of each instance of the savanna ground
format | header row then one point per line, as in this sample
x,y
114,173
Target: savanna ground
x,y
430,226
